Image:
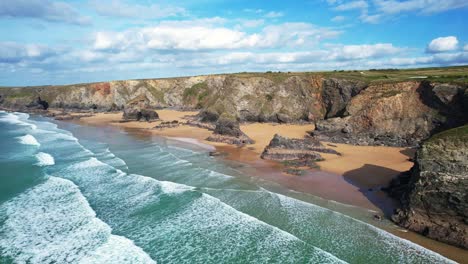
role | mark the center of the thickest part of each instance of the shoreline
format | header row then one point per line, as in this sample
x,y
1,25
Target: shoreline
x,y
337,179
345,179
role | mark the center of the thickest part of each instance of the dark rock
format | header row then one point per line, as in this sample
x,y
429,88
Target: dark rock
x,y
167,124
434,194
38,104
143,114
208,116
283,118
337,93
281,148
228,131
194,123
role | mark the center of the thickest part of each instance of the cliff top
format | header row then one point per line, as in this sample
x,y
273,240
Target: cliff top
x,y
458,133
455,74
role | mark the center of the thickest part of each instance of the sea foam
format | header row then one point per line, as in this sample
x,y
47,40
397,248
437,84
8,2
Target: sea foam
x,y
44,159
28,140
53,223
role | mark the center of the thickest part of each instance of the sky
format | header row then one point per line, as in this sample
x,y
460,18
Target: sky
x,y
62,42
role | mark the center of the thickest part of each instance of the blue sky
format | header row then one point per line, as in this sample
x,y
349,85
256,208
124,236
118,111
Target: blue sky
x,y
62,42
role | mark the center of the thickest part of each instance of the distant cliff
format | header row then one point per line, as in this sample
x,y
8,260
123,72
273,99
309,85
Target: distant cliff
x,y
346,108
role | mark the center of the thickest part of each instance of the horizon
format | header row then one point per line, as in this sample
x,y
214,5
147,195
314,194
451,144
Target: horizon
x,y
81,41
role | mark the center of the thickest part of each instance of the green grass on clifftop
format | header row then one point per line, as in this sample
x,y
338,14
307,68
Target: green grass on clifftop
x,y
458,133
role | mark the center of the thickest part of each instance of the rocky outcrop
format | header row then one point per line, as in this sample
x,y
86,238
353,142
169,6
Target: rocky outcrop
x,y
337,93
282,149
140,115
400,114
168,124
228,131
434,194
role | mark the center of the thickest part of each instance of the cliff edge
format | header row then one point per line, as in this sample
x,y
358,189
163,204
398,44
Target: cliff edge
x,y
434,194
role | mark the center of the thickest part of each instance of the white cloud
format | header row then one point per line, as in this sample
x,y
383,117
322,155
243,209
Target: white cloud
x,y
186,36
465,48
44,10
118,8
377,10
338,18
273,14
423,6
12,52
251,23
353,5
359,52
443,44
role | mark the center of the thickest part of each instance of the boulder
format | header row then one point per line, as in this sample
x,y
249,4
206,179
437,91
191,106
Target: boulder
x,y
228,131
140,115
434,194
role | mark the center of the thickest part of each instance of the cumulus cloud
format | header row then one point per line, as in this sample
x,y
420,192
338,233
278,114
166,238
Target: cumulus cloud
x,y
44,10
443,44
183,36
12,52
359,52
117,8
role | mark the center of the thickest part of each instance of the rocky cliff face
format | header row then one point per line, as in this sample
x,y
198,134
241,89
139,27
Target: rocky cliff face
x,y
399,114
434,195
346,110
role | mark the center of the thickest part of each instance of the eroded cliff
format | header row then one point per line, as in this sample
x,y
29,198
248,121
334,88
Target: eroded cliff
x,y
434,195
353,110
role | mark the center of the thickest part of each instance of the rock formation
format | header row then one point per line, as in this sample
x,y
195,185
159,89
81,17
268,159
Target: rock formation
x,y
337,93
227,130
140,115
354,110
398,114
434,194
281,148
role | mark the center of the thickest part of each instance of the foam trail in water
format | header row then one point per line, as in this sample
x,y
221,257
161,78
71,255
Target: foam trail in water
x,y
44,159
28,140
17,119
53,223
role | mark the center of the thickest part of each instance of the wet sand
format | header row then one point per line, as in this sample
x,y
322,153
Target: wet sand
x,y
345,179
353,178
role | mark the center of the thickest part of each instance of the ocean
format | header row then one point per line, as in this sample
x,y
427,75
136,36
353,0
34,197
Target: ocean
x,y
81,194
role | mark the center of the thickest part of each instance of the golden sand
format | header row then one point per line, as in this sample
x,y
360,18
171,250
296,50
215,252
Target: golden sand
x,y
370,163
367,166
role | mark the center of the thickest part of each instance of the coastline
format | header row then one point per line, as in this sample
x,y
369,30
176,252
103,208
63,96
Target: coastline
x,y
347,179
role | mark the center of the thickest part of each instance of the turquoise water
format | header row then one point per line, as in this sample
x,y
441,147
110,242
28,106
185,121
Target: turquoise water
x,y
98,195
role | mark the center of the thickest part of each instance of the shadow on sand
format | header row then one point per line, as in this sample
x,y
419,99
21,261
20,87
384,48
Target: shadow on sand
x,y
370,179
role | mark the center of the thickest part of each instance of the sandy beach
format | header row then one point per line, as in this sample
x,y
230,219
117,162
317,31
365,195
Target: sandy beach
x,y
353,178
344,178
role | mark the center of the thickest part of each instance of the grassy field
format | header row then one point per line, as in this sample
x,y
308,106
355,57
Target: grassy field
x,y
455,74
458,74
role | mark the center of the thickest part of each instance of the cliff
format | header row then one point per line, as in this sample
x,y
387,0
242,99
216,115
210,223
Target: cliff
x,y
353,107
434,195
